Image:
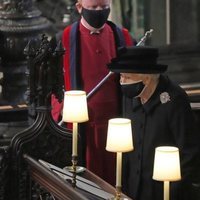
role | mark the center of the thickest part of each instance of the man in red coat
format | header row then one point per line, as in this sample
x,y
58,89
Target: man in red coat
x,y
90,44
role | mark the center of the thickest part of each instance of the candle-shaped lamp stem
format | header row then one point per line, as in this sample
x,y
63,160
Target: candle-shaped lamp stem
x,y
119,170
166,190
75,139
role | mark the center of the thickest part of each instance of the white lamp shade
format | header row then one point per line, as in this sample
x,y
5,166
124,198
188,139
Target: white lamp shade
x,y
166,164
119,135
75,106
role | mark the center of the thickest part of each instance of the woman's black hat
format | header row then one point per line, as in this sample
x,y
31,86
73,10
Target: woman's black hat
x,y
137,59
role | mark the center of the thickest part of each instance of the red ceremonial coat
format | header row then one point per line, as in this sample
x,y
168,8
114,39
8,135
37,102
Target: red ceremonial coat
x,y
85,59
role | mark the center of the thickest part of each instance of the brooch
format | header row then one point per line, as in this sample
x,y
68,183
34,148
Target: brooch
x,y
164,97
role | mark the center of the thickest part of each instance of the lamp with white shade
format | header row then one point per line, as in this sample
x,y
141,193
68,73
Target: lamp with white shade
x,y
166,167
75,111
119,140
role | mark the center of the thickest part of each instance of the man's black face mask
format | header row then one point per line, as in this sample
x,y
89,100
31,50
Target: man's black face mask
x,y
133,89
95,18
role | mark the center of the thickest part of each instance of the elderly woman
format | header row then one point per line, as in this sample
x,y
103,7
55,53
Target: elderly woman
x,y
161,116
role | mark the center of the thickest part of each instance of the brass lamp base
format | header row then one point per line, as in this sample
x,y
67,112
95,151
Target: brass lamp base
x,y
116,198
78,170
118,194
74,169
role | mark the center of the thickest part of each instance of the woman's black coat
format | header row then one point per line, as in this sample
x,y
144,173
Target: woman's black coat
x,y
165,120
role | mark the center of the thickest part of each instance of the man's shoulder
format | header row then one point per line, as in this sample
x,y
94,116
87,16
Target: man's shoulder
x,y
67,32
113,25
122,33
70,26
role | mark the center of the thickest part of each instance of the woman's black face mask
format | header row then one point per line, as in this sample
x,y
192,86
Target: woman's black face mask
x,y
95,18
132,90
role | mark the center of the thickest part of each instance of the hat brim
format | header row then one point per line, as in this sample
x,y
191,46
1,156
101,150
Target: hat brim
x,y
139,68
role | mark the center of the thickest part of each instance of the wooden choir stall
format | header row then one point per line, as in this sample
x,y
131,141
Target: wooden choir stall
x,y
58,182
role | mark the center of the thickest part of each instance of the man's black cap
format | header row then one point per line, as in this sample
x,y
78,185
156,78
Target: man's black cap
x,y
137,59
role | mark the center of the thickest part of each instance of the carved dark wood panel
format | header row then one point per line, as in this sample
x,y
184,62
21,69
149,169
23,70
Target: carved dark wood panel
x,y
44,139
3,172
20,22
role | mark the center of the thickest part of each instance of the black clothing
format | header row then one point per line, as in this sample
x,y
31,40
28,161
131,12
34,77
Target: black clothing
x,y
156,123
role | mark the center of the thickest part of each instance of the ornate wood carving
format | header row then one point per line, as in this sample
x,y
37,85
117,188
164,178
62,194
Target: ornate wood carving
x,y
3,172
20,22
44,139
